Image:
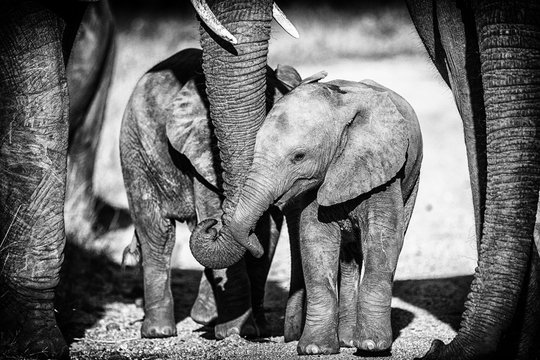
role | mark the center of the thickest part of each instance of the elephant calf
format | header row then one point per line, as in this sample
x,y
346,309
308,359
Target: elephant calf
x,y
342,159
170,164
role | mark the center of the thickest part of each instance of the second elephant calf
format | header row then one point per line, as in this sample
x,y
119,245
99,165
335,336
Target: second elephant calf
x,y
171,169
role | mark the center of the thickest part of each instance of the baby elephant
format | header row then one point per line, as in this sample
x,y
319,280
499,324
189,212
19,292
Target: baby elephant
x,y
342,159
170,164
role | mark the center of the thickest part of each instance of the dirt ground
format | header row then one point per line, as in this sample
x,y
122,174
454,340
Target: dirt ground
x,y
100,306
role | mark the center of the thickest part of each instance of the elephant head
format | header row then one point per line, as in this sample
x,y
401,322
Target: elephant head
x,y
344,138
235,70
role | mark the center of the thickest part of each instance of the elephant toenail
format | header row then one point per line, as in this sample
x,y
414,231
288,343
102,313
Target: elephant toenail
x,y
369,345
347,343
382,345
233,331
312,349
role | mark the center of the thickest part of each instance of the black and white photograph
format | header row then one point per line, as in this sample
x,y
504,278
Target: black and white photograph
x,y
250,179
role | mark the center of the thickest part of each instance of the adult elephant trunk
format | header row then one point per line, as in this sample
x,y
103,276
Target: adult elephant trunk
x,y
236,85
509,40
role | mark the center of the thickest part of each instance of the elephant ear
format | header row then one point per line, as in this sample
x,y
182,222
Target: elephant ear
x,y
188,130
373,147
288,76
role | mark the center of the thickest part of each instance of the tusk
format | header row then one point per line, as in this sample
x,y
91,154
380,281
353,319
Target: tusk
x,y
282,20
208,17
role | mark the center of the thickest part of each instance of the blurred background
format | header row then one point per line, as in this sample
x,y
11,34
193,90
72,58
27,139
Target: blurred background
x,y
350,40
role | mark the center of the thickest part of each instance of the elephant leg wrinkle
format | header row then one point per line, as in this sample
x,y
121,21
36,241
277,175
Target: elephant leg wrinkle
x,y
316,242
33,156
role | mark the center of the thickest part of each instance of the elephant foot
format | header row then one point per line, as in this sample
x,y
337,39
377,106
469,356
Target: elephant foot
x,y
40,336
244,325
204,309
374,329
43,343
346,336
374,338
318,343
158,324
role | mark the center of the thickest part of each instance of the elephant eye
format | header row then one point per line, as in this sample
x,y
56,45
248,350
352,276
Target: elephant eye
x,y
299,157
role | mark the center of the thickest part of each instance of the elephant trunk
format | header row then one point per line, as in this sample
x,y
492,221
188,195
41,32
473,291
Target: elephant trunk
x,y
236,85
254,200
508,39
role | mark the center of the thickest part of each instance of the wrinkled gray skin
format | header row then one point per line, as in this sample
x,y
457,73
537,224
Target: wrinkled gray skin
x,y
483,50
236,85
55,67
343,158
486,51
171,172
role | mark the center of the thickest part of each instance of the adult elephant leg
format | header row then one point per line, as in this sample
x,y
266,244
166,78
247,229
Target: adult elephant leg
x,y
509,36
449,35
33,151
89,74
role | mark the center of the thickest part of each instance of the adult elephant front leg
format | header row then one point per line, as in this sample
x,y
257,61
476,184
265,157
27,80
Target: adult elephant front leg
x,y
33,151
508,38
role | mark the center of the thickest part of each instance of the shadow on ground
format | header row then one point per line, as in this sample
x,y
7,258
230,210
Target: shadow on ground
x,y
91,280
444,298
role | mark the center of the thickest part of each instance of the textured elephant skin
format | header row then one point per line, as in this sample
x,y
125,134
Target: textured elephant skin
x,y
236,82
343,160
483,49
40,51
171,172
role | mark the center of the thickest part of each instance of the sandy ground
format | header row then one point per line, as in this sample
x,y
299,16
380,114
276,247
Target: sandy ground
x,y
101,312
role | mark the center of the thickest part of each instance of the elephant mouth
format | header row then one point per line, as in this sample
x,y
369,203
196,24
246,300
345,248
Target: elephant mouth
x,y
299,187
280,202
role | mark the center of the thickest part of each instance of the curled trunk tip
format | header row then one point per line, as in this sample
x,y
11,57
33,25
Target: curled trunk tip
x,y
213,251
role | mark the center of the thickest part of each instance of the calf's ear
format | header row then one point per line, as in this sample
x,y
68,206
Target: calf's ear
x,y
188,130
373,147
288,76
